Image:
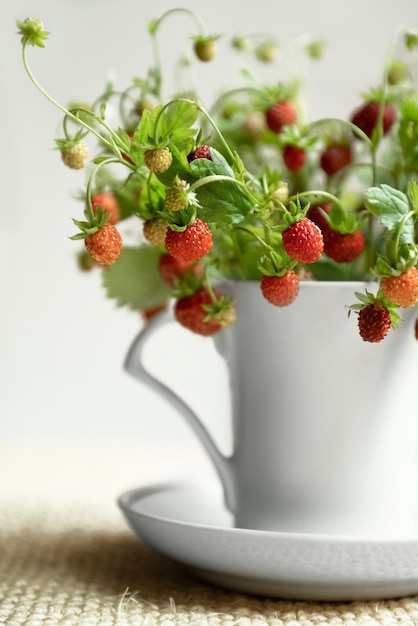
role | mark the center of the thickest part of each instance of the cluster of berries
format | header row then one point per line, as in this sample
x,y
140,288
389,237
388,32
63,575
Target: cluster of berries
x,y
248,190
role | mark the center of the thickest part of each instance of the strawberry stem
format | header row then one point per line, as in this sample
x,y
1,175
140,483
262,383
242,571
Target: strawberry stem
x,y
398,232
67,113
153,28
264,244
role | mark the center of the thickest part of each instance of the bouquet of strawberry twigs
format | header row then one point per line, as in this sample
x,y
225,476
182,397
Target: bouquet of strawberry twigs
x,y
246,189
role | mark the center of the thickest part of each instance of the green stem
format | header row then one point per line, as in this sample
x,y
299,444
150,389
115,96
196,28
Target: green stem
x,y
93,175
399,230
356,130
67,113
156,52
196,18
263,244
325,195
225,144
210,288
213,178
235,92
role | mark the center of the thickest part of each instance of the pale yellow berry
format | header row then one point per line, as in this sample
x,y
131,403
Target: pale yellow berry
x,y
205,49
266,52
227,317
154,231
281,193
176,196
76,156
36,21
254,125
158,160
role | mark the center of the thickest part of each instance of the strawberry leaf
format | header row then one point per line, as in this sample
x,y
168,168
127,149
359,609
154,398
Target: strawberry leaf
x,y
391,207
134,280
408,130
180,117
221,201
145,129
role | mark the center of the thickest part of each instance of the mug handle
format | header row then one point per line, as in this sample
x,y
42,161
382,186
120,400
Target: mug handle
x,y
134,365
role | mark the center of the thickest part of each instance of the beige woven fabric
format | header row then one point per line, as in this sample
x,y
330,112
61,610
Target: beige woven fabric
x,y
68,559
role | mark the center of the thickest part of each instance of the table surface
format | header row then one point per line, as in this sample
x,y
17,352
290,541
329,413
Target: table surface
x,y
67,557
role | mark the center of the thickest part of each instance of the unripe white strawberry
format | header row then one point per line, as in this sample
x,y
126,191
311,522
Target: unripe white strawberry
x,y
154,231
281,193
205,48
176,196
75,156
227,316
158,160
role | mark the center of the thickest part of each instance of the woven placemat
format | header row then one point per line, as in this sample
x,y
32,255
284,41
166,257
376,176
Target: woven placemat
x,y
79,566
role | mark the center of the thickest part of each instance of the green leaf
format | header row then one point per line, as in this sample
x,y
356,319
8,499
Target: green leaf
x,y
408,130
223,201
206,167
391,206
180,115
409,109
134,281
146,126
413,195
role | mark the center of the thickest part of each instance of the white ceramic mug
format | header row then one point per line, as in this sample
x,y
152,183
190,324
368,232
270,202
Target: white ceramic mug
x,y
325,425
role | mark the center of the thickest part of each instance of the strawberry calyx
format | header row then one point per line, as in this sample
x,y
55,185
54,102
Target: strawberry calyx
x,y
220,309
179,221
32,32
95,220
293,212
276,262
343,220
379,300
71,141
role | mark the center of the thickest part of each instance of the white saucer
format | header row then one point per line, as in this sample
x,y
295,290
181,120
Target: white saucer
x,y
190,524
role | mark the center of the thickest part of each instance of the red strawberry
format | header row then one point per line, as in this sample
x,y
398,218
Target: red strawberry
x,y
280,290
294,157
172,269
335,157
366,117
402,290
190,244
189,312
374,322
105,245
303,241
343,248
109,205
281,114
203,152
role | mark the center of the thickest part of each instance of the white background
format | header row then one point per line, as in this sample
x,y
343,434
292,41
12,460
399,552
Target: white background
x,y
62,344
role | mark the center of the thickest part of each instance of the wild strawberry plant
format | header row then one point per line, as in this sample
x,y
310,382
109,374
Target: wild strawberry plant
x,y
247,189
